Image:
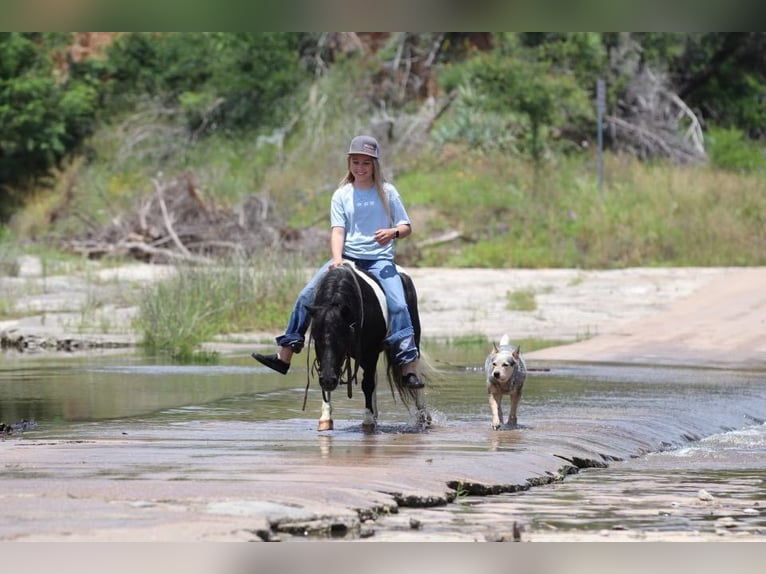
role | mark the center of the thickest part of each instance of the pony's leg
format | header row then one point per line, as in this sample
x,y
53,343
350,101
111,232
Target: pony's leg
x,y
424,416
370,420
325,419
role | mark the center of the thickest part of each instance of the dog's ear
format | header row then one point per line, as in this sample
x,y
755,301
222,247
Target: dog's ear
x,y
495,350
516,352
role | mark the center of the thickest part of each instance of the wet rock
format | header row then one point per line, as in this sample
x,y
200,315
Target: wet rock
x,y
726,522
29,342
7,429
323,527
704,495
419,500
517,530
267,535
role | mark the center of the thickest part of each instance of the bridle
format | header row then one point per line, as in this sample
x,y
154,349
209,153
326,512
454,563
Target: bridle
x,y
355,330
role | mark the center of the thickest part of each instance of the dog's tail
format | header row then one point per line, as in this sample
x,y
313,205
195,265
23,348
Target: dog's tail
x,y
505,340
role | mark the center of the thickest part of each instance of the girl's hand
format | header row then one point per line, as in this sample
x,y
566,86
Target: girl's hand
x,y
336,263
383,236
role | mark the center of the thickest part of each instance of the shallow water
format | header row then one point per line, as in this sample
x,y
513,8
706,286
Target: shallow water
x,y
664,433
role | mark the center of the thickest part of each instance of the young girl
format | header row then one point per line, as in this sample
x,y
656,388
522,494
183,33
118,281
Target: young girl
x,y
366,216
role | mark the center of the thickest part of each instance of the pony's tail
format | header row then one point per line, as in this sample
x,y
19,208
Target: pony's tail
x,y
394,375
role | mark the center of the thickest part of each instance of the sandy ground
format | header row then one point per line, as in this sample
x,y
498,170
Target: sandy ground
x,y
659,316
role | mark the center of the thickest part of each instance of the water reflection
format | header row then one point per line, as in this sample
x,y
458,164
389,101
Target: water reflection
x,y
239,421
618,411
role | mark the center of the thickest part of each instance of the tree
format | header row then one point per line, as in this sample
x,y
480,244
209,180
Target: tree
x,y
535,89
218,79
42,117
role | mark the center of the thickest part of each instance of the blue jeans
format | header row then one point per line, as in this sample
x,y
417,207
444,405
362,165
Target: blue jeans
x,y
401,340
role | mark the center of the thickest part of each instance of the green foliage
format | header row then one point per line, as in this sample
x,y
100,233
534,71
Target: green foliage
x,y
740,99
515,102
474,126
723,74
521,300
176,316
582,54
41,116
511,215
9,264
729,149
219,80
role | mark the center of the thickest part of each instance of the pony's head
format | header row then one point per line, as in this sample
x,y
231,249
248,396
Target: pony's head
x,y
334,320
332,331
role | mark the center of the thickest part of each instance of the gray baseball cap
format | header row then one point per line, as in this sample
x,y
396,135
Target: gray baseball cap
x,y
365,145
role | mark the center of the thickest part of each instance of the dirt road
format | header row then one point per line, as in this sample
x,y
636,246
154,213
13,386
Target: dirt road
x,y
666,316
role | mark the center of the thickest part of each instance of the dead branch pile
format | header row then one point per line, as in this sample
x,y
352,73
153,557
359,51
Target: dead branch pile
x,y
175,223
652,121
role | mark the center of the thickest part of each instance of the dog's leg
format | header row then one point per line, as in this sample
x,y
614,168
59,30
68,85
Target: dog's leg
x,y
496,408
515,398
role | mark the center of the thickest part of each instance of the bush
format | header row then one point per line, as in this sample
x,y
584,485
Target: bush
x,y
41,117
515,102
219,80
729,149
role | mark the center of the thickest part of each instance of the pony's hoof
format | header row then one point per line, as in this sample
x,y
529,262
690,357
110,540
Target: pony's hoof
x,y
325,425
424,419
369,428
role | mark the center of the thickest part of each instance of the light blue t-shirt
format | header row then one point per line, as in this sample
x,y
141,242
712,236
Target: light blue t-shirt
x,y
361,213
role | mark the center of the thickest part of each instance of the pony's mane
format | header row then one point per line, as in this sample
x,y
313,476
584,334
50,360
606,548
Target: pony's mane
x,y
336,297
337,288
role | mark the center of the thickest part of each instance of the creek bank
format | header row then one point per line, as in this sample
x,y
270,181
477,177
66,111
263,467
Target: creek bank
x,y
90,309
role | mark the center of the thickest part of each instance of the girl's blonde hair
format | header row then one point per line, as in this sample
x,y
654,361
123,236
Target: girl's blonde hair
x,y
377,181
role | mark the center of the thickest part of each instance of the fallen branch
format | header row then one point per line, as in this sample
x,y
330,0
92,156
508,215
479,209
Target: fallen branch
x,y
440,239
166,217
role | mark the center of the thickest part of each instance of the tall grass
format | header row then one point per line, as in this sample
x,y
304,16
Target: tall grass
x,y
177,315
9,252
511,215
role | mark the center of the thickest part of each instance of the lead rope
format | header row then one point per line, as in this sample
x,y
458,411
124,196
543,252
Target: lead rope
x,y
309,372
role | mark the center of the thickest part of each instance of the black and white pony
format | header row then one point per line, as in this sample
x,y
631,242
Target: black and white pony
x,y
348,325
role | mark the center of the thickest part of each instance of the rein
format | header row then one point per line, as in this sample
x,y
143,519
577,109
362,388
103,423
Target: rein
x,y
357,338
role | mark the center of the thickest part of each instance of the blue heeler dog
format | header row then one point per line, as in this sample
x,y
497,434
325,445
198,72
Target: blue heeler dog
x,y
506,373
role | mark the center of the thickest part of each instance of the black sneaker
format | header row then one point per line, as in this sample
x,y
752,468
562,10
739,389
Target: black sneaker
x,y
411,381
272,362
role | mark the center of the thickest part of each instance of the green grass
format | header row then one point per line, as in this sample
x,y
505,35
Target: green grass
x,y
179,314
521,300
480,344
510,215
